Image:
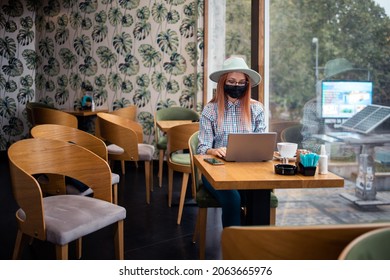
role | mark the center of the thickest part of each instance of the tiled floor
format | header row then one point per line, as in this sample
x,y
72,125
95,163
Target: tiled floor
x,y
151,231
327,206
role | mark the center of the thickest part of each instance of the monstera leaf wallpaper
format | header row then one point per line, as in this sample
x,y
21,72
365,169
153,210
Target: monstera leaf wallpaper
x,y
145,53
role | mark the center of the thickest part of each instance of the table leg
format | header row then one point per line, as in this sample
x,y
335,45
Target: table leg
x,y
258,204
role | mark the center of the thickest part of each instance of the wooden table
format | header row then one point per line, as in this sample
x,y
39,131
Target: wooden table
x,y
258,179
85,117
86,113
164,125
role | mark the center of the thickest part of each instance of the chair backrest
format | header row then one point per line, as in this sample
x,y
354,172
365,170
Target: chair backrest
x,y
176,113
320,242
193,146
53,116
278,126
372,245
29,110
45,156
129,112
292,134
179,135
122,132
71,135
173,113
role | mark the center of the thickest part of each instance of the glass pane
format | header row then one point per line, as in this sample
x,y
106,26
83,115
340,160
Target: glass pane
x,y
229,33
312,41
238,29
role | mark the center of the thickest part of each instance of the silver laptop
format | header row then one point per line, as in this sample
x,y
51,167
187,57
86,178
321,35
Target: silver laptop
x,y
250,147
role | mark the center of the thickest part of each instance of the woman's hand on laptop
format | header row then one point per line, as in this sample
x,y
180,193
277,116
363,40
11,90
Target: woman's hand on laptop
x,y
219,152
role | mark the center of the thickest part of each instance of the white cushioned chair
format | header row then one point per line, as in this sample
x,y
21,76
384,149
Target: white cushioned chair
x,y
81,138
61,219
125,143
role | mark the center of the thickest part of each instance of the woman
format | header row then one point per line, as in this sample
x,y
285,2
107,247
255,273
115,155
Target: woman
x,y
230,111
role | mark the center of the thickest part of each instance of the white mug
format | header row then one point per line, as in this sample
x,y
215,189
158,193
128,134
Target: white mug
x,y
287,149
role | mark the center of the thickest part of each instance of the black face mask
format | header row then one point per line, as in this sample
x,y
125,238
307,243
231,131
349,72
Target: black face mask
x,y
235,91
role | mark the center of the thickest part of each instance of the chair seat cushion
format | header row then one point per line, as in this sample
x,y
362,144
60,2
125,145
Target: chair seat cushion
x,y
162,142
69,217
115,149
76,187
115,178
274,201
181,158
145,152
74,190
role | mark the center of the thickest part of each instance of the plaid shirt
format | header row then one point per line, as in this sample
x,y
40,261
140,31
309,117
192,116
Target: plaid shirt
x,y
212,136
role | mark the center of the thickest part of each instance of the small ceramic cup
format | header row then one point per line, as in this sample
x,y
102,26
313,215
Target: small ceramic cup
x,y
287,149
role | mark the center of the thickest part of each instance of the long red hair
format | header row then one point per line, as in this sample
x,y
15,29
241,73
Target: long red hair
x,y
245,101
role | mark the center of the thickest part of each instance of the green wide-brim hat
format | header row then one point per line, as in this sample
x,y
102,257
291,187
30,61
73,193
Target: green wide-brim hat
x,y
236,64
337,66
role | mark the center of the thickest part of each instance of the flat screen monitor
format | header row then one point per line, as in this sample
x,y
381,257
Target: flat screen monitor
x,y
343,99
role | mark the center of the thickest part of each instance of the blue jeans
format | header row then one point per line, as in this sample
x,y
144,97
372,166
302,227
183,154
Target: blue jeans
x,y
230,201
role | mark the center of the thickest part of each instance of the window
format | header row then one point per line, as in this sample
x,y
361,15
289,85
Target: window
x,y
308,41
315,40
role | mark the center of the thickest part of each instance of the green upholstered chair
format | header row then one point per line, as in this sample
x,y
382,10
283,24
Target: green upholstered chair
x,y
178,160
372,245
171,113
206,200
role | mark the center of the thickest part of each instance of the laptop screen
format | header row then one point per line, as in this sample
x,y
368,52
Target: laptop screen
x,y
250,147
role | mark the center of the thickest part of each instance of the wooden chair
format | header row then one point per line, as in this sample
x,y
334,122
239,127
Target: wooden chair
x,y
30,107
78,137
318,242
292,134
125,138
129,112
278,126
53,116
178,159
206,200
42,114
134,125
171,113
372,245
61,219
